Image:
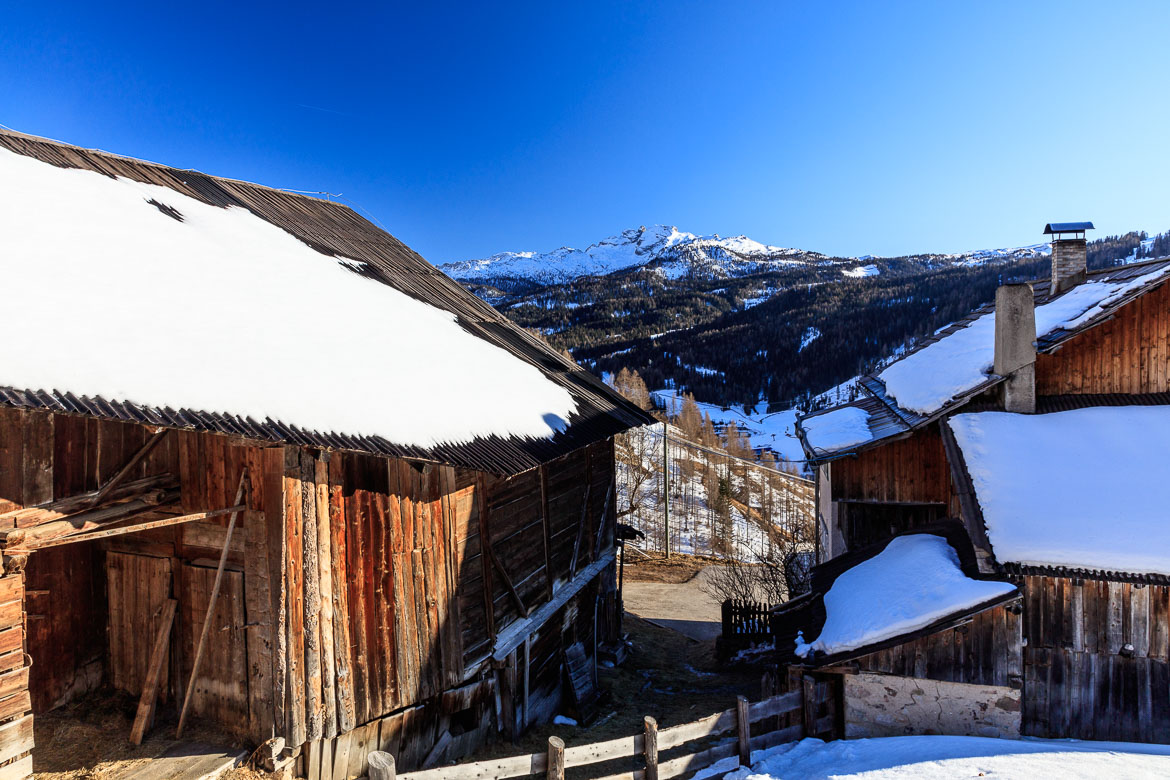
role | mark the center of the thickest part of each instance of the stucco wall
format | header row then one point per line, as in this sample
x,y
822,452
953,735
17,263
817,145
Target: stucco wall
x,y
881,705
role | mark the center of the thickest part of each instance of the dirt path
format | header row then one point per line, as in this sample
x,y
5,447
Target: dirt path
x,y
685,607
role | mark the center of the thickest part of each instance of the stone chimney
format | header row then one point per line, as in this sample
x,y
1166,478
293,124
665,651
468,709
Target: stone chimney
x,y
1069,254
1015,345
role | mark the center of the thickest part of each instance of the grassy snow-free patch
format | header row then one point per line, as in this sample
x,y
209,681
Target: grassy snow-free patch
x,y
135,292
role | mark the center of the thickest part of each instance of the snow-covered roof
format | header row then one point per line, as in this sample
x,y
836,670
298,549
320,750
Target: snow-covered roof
x,y
913,583
925,380
1079,489
837,429
134,286
955,363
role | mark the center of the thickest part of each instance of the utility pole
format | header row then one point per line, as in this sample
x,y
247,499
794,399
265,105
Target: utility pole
x,y
666,486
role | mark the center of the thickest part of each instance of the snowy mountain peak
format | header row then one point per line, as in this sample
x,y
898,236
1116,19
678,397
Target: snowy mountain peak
x,y
673,252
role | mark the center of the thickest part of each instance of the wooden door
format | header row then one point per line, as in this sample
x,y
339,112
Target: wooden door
x,y
221,690
137,586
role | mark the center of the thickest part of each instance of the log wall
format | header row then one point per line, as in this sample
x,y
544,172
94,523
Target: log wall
x,y
1127,354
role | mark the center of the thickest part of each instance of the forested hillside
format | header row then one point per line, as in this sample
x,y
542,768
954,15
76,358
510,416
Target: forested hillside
x,y
766,327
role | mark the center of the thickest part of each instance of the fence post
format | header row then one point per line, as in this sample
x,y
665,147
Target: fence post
x,y
650,728
809,711
381,765
744,728
556,758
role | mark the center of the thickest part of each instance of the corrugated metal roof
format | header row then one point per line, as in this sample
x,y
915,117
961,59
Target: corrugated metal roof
x,y
1067,227
336,230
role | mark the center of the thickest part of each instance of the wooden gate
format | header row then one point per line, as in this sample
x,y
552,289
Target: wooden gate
x,y
221,692
137,586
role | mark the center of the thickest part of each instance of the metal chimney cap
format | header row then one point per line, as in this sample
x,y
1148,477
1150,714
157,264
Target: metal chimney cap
x,y
1067,227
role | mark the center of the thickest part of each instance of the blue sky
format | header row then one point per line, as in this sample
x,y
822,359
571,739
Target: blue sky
x,y
468,129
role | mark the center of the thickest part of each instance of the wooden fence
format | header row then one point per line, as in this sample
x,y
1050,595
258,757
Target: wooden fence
x,y
745,623
770,717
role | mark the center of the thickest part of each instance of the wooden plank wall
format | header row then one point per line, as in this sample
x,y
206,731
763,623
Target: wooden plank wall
x,y
913,469
1097,661
356,587
986,651
16,719
1128,354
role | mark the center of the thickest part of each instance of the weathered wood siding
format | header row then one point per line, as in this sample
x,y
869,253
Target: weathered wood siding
x,y
913,469
986,651
1127,354
357,588
1097,662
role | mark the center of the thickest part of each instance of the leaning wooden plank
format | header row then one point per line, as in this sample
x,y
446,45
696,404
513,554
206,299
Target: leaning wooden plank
x,y
16,737
158,655
130,529
137,458
512,637
211,604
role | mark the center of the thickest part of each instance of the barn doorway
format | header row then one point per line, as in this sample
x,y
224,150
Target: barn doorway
x,y
96,610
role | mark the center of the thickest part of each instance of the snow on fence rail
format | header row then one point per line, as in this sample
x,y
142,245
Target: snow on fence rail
x,y
648,745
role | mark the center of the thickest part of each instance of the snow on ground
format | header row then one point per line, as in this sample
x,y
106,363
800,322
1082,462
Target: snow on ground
x,y
843,427
1080,488
775,431
173,312
810,335
912,583
927,379
861,271
946,758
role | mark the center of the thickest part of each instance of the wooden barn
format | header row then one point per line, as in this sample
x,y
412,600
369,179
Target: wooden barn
x,y
1030,435
257,453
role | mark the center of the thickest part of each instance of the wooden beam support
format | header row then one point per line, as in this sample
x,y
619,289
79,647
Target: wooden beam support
x,y
491,553
580,530
63,507
135,459
88,520
168,521
211,602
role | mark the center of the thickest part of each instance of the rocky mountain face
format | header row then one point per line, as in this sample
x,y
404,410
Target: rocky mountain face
x,y
731,319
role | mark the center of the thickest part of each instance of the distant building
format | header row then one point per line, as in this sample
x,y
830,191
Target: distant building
x,y
420,495
1032,437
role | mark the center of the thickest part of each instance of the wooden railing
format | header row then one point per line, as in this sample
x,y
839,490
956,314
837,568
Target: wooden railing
x,y
648,745
745,623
